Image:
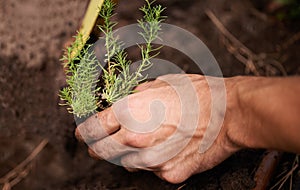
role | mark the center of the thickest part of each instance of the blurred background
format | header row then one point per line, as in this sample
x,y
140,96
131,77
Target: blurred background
x,y
260,38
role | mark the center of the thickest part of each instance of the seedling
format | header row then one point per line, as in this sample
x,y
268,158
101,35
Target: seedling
x,y
84,94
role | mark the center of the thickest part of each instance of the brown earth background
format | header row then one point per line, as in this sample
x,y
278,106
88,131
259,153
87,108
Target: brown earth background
x,y
32,36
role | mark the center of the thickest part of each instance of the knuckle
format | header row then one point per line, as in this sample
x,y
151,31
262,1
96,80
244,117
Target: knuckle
x,y
138,140
167,166
123,108
106,118
148,158
131,139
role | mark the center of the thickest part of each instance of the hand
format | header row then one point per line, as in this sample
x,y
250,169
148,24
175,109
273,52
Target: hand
x,y
157,129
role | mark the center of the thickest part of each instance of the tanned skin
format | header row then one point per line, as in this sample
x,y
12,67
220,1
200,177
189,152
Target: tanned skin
x,y
260,113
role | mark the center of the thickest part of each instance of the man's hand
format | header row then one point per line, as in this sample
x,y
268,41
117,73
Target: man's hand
x,y
151,129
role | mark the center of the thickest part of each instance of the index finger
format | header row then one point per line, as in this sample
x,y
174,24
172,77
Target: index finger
x,y
98,126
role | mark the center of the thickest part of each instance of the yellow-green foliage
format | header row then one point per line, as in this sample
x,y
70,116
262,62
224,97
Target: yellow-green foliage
x,y
82,78
82,93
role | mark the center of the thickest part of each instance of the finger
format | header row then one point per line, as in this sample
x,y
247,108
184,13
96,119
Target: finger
x,y
124,141
152,158
93,154
98,126
145,140
110,147
143,160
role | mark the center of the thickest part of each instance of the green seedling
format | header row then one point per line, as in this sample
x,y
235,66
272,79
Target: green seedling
x,y
83,95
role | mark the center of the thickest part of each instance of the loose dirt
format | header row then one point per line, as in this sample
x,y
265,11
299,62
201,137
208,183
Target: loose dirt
x,y
32,35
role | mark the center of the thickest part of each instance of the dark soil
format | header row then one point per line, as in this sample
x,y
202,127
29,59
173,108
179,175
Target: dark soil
x,y
32,35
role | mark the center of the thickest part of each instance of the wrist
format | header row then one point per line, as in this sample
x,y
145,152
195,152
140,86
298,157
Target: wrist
x,y
240,120
270,109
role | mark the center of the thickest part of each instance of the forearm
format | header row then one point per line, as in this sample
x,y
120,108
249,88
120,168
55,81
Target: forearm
x,y
270,110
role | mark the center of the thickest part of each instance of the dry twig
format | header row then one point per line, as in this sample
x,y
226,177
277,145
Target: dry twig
x,y
252,61
288,175
291,41
14,176
181,187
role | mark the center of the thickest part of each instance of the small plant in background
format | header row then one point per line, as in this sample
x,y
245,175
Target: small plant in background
x,y
287,9
83,96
